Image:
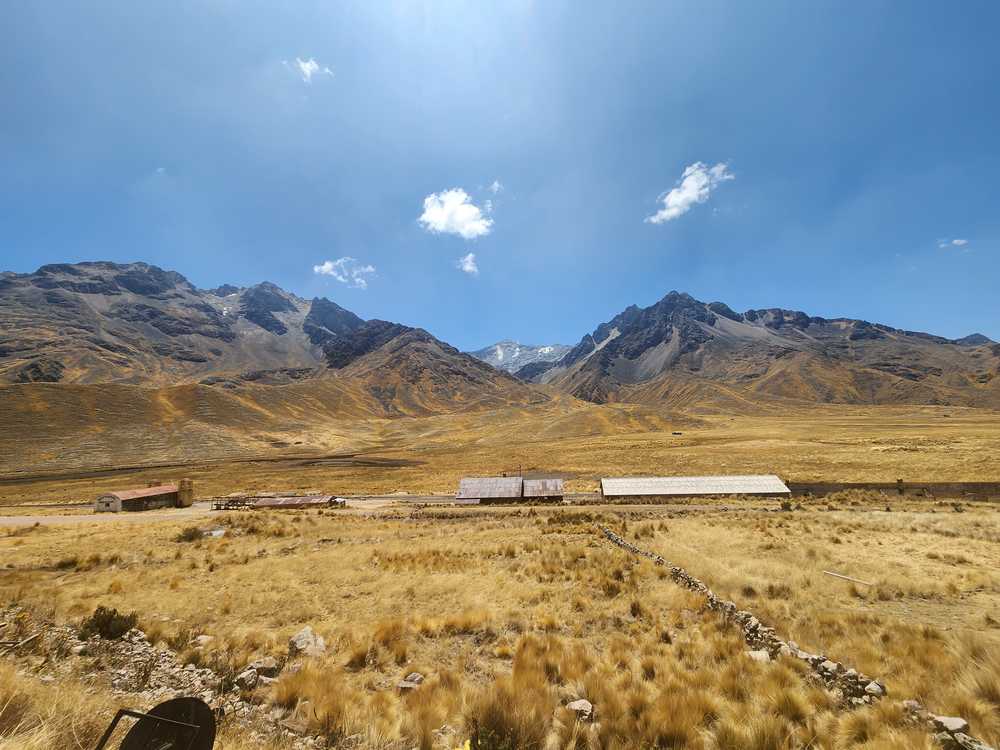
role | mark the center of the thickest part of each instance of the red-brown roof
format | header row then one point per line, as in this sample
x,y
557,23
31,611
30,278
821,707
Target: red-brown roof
x,y
163,489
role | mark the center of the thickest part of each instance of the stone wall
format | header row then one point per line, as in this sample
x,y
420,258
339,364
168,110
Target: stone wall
x,y
850,686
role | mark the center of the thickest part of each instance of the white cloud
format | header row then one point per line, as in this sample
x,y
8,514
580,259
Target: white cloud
x,y
952,243
452,212
694,186
309,68
346,270
467,263
496,186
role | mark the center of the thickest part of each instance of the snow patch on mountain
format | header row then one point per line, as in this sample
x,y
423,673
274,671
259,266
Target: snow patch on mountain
x,y
512,355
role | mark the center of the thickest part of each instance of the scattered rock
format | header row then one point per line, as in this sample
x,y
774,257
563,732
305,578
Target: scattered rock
x,y
295,726
583,709
307,643
964,742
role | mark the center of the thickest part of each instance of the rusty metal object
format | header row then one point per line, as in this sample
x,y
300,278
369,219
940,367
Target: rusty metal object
x,y
299,501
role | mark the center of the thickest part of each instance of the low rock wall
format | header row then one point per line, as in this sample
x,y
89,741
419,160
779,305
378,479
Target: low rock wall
x,y
851,687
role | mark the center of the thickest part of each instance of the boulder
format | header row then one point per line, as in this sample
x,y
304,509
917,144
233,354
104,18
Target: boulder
x,y
874,688
307,643
583,709
407,685
761,655
415,677
247,679
200,641
266,667
951,724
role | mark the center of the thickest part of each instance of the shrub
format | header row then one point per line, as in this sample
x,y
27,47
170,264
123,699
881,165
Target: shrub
x,y
108,624
68,562
189,534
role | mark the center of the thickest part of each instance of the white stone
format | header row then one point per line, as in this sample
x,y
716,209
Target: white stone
x,y
583,708
306,642
761,656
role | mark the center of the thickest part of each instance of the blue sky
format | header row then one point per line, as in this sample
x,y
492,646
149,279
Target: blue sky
x,y
842,158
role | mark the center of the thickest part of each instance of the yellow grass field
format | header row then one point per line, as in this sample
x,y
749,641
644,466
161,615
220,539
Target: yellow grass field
x,y
581,441
511,613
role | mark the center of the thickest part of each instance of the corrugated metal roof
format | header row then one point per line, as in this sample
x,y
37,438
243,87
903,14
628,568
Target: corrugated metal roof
x,y
483,487
163,489
298,501
764,484
543,488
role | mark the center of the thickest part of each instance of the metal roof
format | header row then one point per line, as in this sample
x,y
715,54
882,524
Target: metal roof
x,y
483,487
163,489
543,488
763,484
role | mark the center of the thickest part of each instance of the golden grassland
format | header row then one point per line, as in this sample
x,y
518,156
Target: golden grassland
x,y
583,442
513,612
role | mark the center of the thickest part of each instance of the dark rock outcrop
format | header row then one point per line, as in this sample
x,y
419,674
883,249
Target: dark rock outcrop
x,y
259,304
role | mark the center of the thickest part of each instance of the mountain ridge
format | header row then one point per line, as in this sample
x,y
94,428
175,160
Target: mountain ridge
x,y
639,353
99,323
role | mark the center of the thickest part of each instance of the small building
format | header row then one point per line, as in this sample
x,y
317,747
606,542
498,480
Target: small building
x,y
299,501
147,498
544,490
645,488
489,489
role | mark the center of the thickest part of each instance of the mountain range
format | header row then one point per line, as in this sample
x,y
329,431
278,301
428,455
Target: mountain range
x,y
680,350
99,323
